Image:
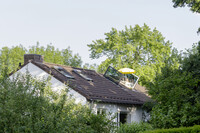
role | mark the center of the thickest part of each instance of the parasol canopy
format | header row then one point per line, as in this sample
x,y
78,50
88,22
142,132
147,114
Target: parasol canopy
x,y
126,71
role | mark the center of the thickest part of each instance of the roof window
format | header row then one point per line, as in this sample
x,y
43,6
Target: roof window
x,y
63,71
113,75
79,72
128,79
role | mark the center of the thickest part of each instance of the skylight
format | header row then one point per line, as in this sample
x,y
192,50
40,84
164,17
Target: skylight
x,y
63,71
113,75
129,80
79,72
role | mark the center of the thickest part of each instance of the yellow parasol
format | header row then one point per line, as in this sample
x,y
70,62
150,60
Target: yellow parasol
x,y
126,71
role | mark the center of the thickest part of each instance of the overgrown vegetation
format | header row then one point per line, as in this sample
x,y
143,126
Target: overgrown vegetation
x,y
194,129
134,128
15,55
27,105
177,93
137,47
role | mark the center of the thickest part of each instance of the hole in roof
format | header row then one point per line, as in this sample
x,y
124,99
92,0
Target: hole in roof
x,y
80,73
63,72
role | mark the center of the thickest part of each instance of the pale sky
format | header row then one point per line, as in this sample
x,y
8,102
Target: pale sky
x,y
76,23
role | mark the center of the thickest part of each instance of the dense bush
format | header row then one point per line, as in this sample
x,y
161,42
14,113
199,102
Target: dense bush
x,y
194,129
134,128
177,92
28,105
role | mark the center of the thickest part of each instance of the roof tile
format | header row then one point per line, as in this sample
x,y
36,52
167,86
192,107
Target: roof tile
x,y
100,89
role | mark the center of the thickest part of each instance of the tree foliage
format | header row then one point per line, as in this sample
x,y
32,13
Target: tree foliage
x,y
10,57
140,48
90,66
177,92
194,5
53,55
27,105
13,56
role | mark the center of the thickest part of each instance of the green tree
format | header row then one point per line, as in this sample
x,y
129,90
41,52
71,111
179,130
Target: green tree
x,y
53,55
71,60
10,57
15,55
140,48
194,6
90,66
29,105
177,92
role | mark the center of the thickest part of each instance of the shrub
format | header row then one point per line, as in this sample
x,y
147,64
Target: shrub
x,y
134,128
28,105
194,129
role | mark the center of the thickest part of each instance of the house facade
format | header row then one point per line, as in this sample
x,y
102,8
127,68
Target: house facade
x,y
88,87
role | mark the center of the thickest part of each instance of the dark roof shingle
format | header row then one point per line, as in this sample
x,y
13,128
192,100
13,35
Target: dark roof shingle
x,y
100,89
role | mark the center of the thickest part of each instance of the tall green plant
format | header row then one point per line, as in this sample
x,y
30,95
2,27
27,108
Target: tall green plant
x,y
29,105
177,92
134,128
15,55
137,47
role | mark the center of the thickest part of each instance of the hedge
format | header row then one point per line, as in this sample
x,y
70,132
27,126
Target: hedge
x,y
134,127
194,129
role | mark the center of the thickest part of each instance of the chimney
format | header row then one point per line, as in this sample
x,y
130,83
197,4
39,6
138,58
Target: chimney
x,y
33,57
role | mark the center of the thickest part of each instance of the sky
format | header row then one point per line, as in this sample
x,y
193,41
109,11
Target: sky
x,y
76,23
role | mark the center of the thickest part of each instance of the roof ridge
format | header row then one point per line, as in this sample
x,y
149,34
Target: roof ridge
x,y
56,64
68,66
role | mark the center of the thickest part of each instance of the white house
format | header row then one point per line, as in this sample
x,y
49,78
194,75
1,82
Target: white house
x,y
103,93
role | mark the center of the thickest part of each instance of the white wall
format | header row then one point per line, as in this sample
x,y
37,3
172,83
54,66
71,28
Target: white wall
x,y
56,85
134,113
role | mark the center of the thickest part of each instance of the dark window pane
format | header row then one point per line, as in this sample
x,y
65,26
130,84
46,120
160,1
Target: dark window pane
x,y
113,74
123,117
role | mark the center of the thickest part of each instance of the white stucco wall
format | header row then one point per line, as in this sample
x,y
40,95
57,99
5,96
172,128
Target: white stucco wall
x,y
56,85
134,114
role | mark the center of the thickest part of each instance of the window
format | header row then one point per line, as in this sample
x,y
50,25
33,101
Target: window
x,y
113,74
63,71
122,118
101,111
79,72
129,80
